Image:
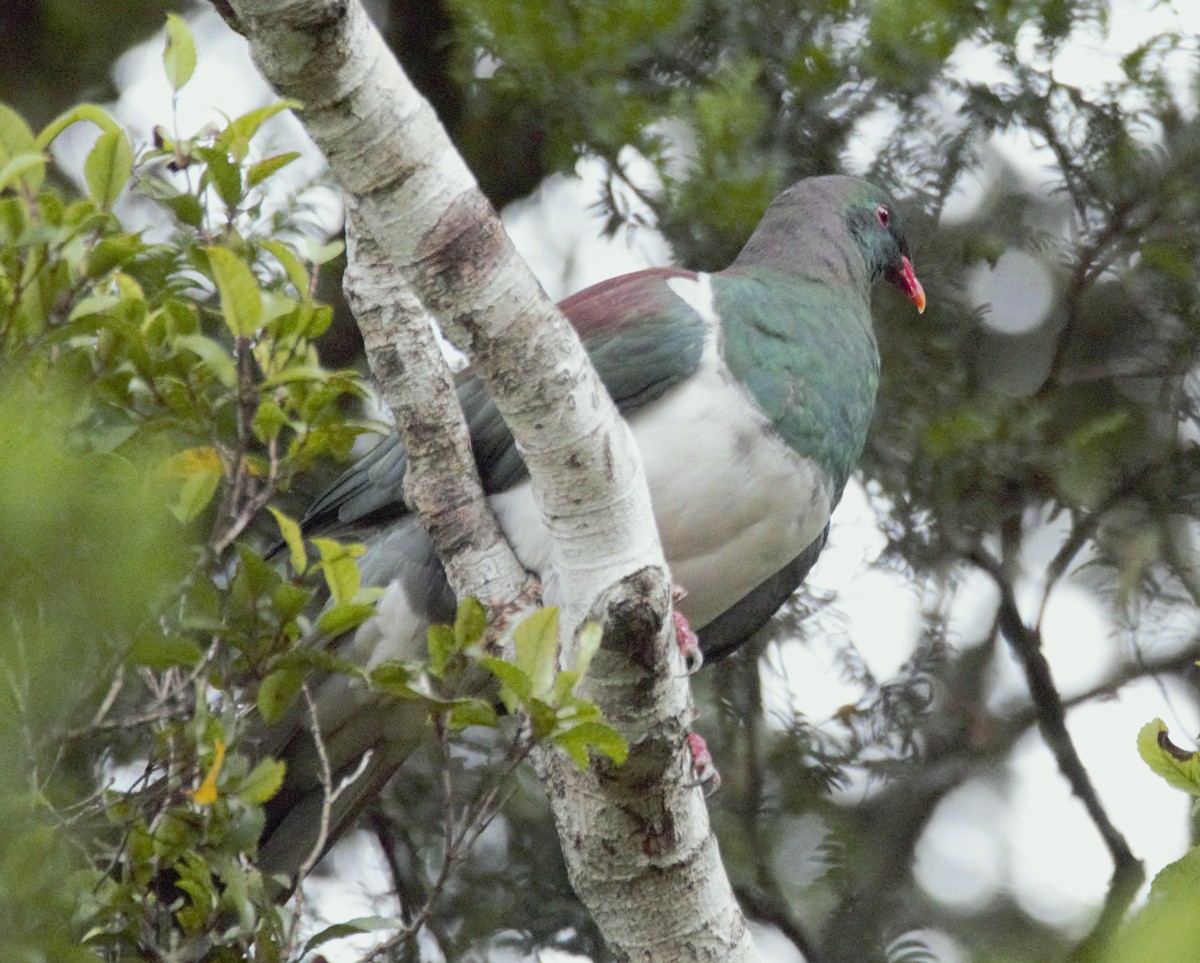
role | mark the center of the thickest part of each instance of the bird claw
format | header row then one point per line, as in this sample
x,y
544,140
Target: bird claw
x,y
688,642
685,635
705,770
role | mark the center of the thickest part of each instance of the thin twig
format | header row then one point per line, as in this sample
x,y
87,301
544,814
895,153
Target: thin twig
x,y
1087,269
328,795
1026,644
473,820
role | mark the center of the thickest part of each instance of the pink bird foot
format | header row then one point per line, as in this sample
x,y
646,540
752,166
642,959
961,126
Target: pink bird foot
x,y
707,777
685,635
688,642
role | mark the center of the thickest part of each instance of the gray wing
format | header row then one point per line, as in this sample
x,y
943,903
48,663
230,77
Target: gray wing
x,y
371,492
643,340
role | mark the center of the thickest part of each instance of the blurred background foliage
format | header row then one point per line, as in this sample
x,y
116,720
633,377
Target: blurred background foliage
x,y
1073,421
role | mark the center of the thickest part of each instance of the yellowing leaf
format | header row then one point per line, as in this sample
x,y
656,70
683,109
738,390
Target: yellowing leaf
x,y
290,530
1177,766
192,461
206,794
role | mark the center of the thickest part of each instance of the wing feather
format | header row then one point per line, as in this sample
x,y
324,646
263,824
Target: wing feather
x,y
641,337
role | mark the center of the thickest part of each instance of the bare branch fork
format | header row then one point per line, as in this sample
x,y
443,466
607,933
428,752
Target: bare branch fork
x,y
424,241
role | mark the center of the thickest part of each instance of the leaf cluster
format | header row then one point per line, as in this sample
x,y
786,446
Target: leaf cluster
x,y
161,397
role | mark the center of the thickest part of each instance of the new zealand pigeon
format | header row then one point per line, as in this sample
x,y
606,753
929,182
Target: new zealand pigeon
x,y
749,393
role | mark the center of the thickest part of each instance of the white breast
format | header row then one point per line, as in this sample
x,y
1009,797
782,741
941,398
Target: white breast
x,y
734,504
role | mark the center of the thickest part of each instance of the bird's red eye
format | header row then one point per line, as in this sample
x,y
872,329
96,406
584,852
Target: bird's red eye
x,y
883,215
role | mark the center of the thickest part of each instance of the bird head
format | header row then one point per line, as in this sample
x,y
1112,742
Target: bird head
x,y
835,229
877,226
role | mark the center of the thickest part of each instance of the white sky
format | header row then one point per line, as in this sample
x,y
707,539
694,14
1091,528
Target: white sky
x,y
1027,835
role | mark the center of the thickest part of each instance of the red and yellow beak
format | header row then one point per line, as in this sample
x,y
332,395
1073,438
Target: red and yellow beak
x,y
911,286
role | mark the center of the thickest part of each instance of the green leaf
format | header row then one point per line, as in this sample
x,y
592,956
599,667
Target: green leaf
x,y
320,659
18,168
342,618
293,537
241,301
289,600
224,175
16,139
164,652
397,679
269,421
113,252
108,168
324,253
80,112
564,685
574,710
295,373
441,644
515,686
340,569
1167,928
257,576
179,54
277,306
265,168
263,781
543,719
198,490
470,622
214,356
1177,766
235,893
1098,429
96,304
588,645
577,740
186,207
363,924
536,641
240,131
292,265
473,712
277,693
319,317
